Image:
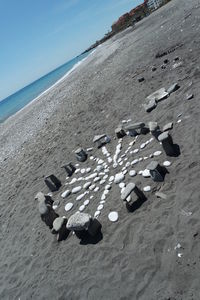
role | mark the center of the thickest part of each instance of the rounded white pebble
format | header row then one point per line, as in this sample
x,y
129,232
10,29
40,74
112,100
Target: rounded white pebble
x,y
65,194
146,173
88,170
86,202
142,145
83,171
96,189
68,206
102,181
111,178
132,173
82,207
135,161
80,197
167,163
102,202
135,150
113,216
157,153
100,207
97,213
140,172
105,176
76,189
108,187
122,185
147,188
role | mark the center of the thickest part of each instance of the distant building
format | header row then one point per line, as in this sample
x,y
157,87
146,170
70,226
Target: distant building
x,y
154,4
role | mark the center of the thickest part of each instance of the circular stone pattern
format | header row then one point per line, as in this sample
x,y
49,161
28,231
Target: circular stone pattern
x,y
113,216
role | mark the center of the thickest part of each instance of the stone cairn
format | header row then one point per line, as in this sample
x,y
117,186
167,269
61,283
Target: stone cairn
x,y
83,224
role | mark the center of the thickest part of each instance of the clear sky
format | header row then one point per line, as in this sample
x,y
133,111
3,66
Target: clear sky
x,y
36,36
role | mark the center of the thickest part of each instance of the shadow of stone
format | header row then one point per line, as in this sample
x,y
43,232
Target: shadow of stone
x,y
133,206
91,240
177,150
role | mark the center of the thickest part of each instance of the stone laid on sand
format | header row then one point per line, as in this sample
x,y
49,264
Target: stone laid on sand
x,y
81,155
156,171
161,195
150,106
174,87
52,182
167,143
127,191
65,194
76,189
119,177
68,206
168,126
79,221
59,227
132,173
113,216
147,188
158,95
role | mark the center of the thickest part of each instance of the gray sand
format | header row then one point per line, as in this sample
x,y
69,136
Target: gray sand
x,y
135,258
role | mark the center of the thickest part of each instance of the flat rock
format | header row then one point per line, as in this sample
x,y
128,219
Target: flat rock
x,y
127,191
168,126
57,223
79,221
87,185
147,188
174,87
150,106
167,163
119,177
158,95
98,137
161,195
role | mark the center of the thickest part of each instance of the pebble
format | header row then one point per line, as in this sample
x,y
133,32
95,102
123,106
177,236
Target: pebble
x,y
125,172
73,181
179,121
127,191
115,165
86,185
79,221
80,197
68,206
167,163
100,162
97,213
127,164
99,168
103,197
93,175
140,172
96,189
102,202
157,153
80,178
76,189
142,145
121,163
119,177
102,181
89,149
105,177
110,160
92,187
146,173
86,202
83,171
122,185
113,216
65,193
145,157
140,159
88,170
100,207
92,196
55,204
135,161
77,170
132,173
147,188
106,170
82,207
111,178
108,187
91,157
135,150
106,192
97,179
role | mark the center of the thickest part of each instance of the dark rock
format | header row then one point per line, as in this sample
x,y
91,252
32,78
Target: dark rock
x,y
166,61
120,133
155,171
141,79
94,227
59,227
153,69
69,168
189,96
167,143
52,182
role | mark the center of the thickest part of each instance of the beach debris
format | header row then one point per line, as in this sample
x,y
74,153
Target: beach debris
x,y
68,206
52,182
177,65
161,195
69,168
174,87
156,171
113,216
167,143
81,155
65,194
147,188
76,189
59,228
168,126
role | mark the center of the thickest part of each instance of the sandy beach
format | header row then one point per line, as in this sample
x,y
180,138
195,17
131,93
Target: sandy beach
x,y
137,257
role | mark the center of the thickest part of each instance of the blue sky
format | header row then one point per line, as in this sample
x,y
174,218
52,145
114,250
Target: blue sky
x,y
37,36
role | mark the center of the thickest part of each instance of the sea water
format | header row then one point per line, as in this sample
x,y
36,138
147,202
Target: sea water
x,y
21,98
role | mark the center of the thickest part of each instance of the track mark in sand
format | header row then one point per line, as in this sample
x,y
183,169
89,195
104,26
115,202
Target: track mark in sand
x,y
168,51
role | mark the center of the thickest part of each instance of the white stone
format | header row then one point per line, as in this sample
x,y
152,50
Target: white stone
x,y
102,181
65,193
146,173
97,179
140,159
76,189
135,150
102,202
119,177
140,172
92,157
125,172
93,175
99,168
100,207
147,142
128,164
88,170
167,163
86,202
103,197
106,170
92,196
147,188
110,160
142,145
96,189
97,213
101,174
122,185
86,185
179,121
113,216
100,162
121,163
80,197
106,192
76,165
157,153
115,165
92,187
145,157
105,177
77,170
111,178
89,149
68,206
108,187
82,207
126,158
73,181
80,179
134,162
83,171
132,173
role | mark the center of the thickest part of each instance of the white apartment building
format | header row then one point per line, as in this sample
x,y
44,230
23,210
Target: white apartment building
x,y
154,4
